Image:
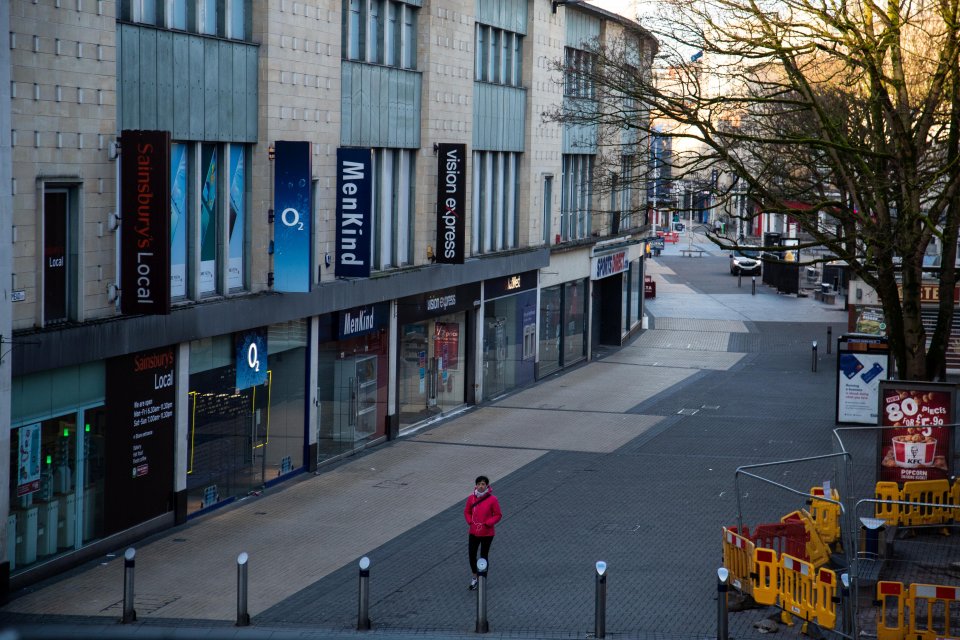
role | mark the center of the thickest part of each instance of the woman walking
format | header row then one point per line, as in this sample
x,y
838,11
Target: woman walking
x,y
482,512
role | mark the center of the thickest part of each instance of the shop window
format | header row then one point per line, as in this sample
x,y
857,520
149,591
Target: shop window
x,y
60,238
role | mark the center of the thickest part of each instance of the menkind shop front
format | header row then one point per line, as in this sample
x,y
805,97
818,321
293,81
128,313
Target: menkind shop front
x,y
435,360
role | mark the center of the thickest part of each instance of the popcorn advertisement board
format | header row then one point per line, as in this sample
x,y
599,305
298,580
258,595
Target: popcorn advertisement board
x,y
919,443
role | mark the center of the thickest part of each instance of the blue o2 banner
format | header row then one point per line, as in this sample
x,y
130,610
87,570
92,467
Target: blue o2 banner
x,y
354,214
292,217
251,358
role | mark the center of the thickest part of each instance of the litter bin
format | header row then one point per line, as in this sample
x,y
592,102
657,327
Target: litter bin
x,y
873,540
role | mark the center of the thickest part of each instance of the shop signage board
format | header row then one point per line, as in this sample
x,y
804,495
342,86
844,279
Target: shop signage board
x,y
862,362
145,222
251,358
292,216
451,205
438,303
608,265
354,213
919,445
361,321
509,285
140,398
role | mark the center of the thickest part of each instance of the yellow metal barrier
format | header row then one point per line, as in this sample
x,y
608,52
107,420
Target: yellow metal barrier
x,y
932,621
826,515
738,559
889,513
935,492
890,622
796,589
765,586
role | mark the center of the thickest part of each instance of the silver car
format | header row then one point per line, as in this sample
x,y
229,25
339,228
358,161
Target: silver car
x,y
745,260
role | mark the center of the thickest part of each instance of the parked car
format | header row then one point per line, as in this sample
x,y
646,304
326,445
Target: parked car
x,y
678,226
746,260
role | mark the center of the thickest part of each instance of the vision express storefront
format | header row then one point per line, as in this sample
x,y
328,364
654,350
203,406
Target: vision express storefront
x,y
435,369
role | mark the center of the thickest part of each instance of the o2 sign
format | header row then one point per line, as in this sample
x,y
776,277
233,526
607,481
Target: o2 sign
x,y
291,218
251,358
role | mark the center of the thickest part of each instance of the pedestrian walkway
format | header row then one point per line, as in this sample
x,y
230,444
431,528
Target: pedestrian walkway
x,y
628,459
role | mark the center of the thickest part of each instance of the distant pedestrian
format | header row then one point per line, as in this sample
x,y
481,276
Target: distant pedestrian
x,y
481,512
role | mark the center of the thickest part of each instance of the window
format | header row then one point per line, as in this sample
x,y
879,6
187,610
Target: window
x,y
495,189
626,192
547,208
498,56
208,219
225,18
575,198
578,80
394,178
60,254
380,32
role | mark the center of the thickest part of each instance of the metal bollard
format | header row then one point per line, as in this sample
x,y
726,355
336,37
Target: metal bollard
x,y
600,608
754,291
363,608
814,361
739,279
722,609
243,617
829,339
129,615
482,625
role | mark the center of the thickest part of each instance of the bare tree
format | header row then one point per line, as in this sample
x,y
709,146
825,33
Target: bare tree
x,y
842,114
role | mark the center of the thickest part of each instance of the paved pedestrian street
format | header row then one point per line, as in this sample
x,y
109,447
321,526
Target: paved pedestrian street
x,y
629,459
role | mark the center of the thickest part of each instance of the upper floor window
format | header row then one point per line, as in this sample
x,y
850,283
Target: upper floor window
x,y
496,186
499,56
578,75
380,32
394,182
575,220
223,18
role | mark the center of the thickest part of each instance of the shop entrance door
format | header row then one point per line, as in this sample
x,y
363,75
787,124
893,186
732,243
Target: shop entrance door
x,y
355,410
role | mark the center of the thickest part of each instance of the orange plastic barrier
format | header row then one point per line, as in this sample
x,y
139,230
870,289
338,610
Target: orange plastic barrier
x,y
934,492
765,566
796,593
782,537
826,515
890,599
889,513
917,611
815,551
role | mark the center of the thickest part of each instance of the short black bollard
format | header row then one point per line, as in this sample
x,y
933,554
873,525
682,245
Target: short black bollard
x,y
243,616
739,279
129,615
813,365
482,625
754,291
722,609
363,608
829,340
600,606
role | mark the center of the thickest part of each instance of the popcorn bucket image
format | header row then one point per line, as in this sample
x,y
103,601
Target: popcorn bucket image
x,y
910,454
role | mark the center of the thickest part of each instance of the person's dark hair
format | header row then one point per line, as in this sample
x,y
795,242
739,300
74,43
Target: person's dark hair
x,y
482,479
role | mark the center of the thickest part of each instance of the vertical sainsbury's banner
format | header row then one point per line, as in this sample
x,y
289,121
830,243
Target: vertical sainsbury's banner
x,y
354,213
292,216
919,444
451,208
140,396
145,222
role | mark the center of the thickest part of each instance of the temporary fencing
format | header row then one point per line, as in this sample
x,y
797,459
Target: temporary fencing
x,y
917,611
918,503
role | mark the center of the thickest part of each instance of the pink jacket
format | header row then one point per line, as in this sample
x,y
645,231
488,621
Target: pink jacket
x,y
481,514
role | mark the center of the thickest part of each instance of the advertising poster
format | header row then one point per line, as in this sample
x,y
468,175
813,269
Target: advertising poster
x,y
145,222
863,361
251,358
870,320
451,206
919,444
178,220
208,220
139,456
28,459
446,344
354,213
236,230
293,216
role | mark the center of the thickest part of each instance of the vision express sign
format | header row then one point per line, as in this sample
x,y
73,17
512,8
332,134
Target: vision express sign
x,y
451,179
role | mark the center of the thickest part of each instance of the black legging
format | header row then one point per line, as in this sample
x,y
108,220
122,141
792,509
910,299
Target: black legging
x,y
483,544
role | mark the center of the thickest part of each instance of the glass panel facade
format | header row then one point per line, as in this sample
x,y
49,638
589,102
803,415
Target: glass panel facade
x,y
509,326
550,329
574,322
432,368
